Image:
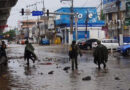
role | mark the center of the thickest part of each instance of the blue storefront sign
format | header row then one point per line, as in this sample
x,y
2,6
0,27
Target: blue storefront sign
x,y
37,13
84,13
87,17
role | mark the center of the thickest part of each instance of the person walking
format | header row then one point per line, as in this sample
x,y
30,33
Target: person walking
x,y
73,54
3,47
29,52
3,55
100,55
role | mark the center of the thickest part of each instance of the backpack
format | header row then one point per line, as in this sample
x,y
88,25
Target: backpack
x,y
73,51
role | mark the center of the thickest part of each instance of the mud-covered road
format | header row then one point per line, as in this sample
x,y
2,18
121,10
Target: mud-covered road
x,y
18,76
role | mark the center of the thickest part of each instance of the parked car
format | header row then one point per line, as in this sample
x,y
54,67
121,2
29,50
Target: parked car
x,y
110,43
81,42
45,41
124,49
87,44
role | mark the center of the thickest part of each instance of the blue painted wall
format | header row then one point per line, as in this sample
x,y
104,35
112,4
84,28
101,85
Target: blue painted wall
x,y
81,34
83,12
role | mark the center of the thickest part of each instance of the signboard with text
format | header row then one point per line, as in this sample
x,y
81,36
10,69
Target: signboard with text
x,y
92,17
37,13
110,6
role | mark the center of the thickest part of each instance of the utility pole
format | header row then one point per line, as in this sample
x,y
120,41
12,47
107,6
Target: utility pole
x,y
71,18
87,18
27,25
44,19
76,27
43,7
71,22
119,32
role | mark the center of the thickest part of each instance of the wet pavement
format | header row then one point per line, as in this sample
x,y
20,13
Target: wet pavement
x,y
18,76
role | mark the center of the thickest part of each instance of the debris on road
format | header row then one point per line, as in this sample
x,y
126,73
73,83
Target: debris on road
x,y
87,78
66,68
51,72
48,63
117,78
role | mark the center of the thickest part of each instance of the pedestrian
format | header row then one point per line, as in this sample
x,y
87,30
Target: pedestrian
x,y
73,54
29,52
3,49
100,55
3,54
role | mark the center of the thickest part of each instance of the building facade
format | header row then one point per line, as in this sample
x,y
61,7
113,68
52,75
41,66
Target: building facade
x,y
38,29
26,28
88,24
117,17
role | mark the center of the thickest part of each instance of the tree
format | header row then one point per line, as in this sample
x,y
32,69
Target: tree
x,y
102,16
10,35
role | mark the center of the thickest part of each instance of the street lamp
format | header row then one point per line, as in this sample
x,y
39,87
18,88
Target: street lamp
x,y
71,21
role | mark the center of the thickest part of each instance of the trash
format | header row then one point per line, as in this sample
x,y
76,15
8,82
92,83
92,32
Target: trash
x,y
48,63
51,72
67,72
66,68
87,78
117,78
41,73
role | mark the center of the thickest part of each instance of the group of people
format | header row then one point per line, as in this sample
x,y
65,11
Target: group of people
x,y
100,54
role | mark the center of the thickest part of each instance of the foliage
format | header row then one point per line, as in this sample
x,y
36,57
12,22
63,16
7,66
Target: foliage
x,y
10,35
102,16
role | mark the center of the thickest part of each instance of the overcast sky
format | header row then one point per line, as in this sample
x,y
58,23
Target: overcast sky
x,y
52,5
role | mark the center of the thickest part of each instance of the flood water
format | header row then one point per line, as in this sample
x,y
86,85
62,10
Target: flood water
x,y
18,76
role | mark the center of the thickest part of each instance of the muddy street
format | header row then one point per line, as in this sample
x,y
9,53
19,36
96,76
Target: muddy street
x,y
48,73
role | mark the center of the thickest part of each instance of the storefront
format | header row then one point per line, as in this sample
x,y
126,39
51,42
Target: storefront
x,y
84,29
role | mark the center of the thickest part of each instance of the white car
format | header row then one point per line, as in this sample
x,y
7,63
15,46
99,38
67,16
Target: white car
x,y
110,43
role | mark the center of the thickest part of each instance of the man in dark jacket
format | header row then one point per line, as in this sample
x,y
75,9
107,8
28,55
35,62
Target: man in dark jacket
x,y
100,55
3,47
29,52
3,55
73,54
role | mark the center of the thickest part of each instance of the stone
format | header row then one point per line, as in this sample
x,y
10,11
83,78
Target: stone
x,y
41,73
51,72
87,78
66,68
117,78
